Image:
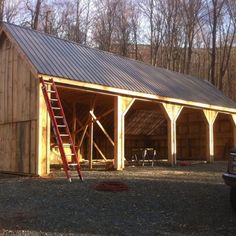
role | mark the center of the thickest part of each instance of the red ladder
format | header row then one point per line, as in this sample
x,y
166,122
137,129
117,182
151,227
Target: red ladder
x,y
60,127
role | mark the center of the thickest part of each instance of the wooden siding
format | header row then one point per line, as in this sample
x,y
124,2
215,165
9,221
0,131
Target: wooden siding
x,y
191,135
223,136
18,112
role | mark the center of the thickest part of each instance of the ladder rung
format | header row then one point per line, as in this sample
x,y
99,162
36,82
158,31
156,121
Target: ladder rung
x,y
56,108
46,82
64,145
64,135
59,117
72,164
67,145
61,126
53,99
51,91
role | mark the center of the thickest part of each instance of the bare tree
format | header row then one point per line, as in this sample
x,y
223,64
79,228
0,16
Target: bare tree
x,y
1,9
214,10
227,32
135,26
123,26
34,10
36,14
104,23
190,12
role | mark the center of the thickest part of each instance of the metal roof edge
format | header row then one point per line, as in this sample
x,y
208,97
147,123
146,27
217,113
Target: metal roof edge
x,y
129,93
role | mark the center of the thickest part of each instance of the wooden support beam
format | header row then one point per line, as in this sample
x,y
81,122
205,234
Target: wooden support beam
x,y
74,122
90,143
43,161
90,146
94,118
98,118
99,151
82,137
233,116
172,113
94,143
122,105
210,119
83,86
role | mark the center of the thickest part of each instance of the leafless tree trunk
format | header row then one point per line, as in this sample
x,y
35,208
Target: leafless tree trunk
x,y
36,14
190,13
104,25
135,26
214,12
1,9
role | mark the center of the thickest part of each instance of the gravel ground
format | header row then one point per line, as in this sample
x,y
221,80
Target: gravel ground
x,y
187,200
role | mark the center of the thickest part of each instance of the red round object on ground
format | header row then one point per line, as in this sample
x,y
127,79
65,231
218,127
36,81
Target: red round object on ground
x,y
185,163
111,186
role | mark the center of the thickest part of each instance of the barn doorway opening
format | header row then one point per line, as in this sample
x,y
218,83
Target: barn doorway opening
x,y
146,140
223,136
90,117
191,135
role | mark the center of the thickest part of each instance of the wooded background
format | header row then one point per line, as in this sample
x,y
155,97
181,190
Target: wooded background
x,y
195,37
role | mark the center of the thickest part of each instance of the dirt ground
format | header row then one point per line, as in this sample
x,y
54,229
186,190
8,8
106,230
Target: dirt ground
x,y
182,200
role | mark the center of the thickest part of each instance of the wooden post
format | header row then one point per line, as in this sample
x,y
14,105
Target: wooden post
x,y
210,118
43,160
90,143
172,113
90,151
234,128
122,105
74,122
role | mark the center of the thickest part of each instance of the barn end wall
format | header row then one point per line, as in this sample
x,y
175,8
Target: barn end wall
x,y
18,112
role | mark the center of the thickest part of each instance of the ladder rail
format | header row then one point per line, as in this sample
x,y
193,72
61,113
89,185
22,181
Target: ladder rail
x,y
67,129
55,129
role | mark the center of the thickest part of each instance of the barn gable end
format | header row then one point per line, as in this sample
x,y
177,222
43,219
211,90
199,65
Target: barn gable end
x,y
18,111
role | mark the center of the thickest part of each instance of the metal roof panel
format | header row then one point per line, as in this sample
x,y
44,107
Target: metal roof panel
x,y
62,58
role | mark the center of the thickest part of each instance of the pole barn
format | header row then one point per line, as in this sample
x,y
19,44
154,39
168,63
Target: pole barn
x,y
114,106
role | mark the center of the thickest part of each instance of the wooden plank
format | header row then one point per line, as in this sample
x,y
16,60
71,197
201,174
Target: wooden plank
x,y
210,119
233,117
90,145
82,137
13,165
121,107
2,91
15,88
32,147
144,96
172,113
98,118
6,83
74,122
10,85
101,127
94,143
42,158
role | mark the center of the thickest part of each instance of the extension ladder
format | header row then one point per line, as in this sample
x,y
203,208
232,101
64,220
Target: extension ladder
x,y
60,128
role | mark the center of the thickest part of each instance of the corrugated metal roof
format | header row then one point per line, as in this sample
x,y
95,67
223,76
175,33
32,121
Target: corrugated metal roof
x,y
61,58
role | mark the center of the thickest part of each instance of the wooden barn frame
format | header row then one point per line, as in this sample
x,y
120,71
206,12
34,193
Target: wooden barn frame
x,y
103,117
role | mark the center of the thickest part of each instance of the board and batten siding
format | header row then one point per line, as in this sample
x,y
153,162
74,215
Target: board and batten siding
x,y
18,112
